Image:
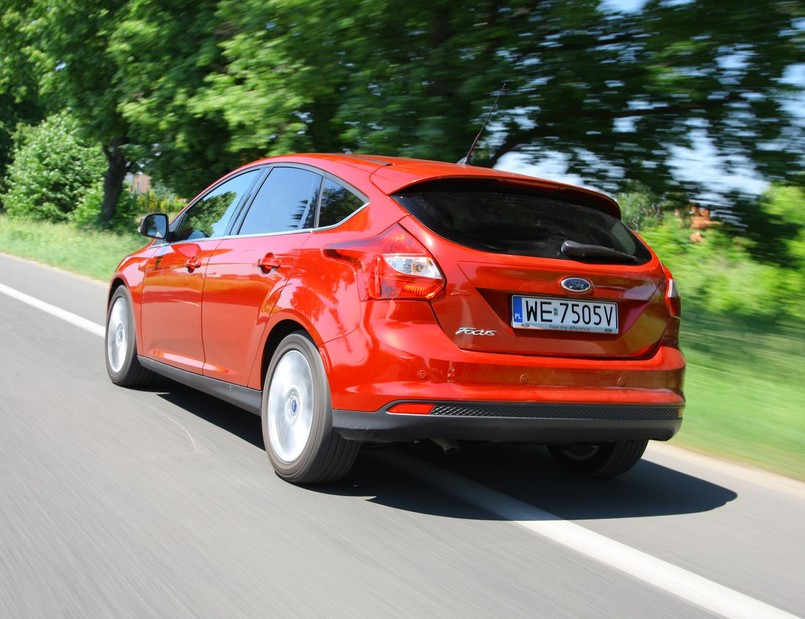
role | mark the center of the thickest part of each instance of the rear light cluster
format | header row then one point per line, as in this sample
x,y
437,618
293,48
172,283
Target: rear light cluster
x,y
393,265
673,303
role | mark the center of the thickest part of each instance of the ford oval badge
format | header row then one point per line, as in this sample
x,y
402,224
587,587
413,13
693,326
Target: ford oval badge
x,y
576,284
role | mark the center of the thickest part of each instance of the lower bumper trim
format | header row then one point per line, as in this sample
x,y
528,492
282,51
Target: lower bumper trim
x,y
529,422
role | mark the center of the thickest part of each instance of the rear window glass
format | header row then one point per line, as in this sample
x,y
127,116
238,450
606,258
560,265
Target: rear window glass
x,y
515,220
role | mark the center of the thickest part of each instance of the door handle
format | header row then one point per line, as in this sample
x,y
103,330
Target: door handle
x,y
269,262
192,264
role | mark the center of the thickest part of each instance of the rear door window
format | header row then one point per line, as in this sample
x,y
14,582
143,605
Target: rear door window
x,y
522,221
286,201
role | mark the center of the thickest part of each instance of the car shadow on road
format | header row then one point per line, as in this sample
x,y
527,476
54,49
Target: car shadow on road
x,y
234,420
523,472
526,473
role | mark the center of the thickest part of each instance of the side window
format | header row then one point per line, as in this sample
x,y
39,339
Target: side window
x,y
286,201
337,203
211,214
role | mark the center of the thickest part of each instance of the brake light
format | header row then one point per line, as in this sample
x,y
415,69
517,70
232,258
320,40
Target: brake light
x,y
673,301
393,265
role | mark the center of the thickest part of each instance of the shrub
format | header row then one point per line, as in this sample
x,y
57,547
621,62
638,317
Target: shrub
x,y
720,277
52,170
87,213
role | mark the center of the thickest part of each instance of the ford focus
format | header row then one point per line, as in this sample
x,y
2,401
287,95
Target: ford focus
x,y
350,299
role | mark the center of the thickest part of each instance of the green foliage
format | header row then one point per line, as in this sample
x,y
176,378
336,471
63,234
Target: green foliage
x,y
19,96
88,213
131,207
720,276
66,44
158,200
617,93
52,170
640,208
191,89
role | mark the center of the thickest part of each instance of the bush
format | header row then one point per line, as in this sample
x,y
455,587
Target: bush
x,y
639,208
53,169
720,277
87,214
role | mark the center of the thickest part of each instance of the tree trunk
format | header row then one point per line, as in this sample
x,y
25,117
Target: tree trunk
x,y
116,170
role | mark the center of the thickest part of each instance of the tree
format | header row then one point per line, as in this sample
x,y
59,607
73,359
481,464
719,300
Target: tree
x,y
66,42
19,96
193,88
617,93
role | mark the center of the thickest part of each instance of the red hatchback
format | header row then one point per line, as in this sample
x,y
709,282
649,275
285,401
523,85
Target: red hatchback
x,y
352,298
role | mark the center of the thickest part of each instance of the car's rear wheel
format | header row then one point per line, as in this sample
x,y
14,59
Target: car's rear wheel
x,y
121,343
297,417
600,461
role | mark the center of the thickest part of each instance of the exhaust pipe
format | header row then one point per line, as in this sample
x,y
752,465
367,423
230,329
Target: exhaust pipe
x,y
449,447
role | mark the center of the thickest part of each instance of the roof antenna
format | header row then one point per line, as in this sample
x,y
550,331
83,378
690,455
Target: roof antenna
x,y
465,160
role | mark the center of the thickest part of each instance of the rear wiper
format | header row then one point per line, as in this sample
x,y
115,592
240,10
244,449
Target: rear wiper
x,y
571,249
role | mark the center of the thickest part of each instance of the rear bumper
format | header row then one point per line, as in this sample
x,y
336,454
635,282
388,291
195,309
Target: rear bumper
x,y
526,422
399,354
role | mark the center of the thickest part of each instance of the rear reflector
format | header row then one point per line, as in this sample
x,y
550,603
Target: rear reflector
x,y
411,408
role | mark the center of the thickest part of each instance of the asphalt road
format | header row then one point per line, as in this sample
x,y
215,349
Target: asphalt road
x,y
162,503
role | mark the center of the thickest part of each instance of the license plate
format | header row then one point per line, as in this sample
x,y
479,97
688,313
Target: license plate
x,y
564,314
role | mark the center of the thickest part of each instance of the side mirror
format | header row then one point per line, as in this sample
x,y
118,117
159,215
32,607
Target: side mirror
x,y
154,225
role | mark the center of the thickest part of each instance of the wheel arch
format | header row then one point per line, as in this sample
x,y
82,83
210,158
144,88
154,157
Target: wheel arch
x,y
278,333
116,283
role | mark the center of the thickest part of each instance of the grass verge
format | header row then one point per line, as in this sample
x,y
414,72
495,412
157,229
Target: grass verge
x,y
745,387
94,254
746,394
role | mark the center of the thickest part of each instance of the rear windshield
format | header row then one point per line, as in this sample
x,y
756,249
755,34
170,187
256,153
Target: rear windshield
x,y
517,220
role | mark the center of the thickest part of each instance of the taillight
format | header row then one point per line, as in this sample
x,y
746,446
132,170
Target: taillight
x,y
393,265
673,301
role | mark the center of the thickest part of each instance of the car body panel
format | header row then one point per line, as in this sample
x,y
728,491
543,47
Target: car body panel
x,y
243,281
170,303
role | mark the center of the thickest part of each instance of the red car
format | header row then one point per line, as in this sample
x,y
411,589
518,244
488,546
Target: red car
x,y
351,298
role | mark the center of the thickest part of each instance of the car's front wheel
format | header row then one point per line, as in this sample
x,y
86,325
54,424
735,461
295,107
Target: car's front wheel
x,y
121,343
601,461
297,417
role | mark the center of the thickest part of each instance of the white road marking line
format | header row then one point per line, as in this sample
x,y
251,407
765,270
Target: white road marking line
x,y
679,582
74,319
78,321
675,580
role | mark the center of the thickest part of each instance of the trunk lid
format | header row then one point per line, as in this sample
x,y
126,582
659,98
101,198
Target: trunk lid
x,y
532,272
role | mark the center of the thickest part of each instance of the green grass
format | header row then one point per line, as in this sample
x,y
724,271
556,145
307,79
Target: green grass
x,y
746,393
745,387
95,254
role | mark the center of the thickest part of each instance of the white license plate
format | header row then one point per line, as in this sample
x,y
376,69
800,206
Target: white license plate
x,y
564,314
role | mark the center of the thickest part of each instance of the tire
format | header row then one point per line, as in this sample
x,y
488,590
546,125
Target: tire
x,y
297,417
121,343
598,461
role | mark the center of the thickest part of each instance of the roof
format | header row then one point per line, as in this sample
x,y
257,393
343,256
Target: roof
x,y
392,174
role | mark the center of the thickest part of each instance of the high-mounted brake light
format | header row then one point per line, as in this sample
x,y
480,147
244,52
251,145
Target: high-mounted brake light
x,y
393,265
